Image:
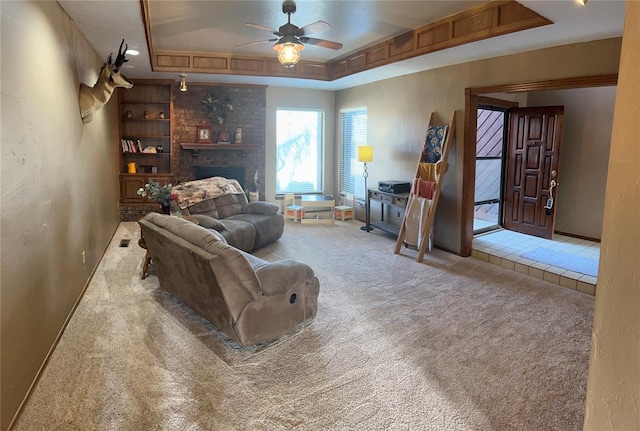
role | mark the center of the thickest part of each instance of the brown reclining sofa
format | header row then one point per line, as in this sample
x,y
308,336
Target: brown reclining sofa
x,y
249,299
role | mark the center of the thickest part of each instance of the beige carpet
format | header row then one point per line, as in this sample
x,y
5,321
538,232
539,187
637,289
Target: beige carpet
x,y
448,344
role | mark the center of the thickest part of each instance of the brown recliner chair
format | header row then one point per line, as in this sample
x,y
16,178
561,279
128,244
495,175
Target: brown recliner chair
x,y
249,299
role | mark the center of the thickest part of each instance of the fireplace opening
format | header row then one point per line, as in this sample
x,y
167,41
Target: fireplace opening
x,y
232,172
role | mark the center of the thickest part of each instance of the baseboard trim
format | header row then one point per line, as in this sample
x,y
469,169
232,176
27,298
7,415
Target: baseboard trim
x,y
16,416
573,235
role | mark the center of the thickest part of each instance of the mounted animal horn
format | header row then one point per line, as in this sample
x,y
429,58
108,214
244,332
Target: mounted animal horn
x,y
120,59
92,98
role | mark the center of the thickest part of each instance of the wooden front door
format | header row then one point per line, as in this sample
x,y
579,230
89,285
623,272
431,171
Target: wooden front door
x,y
533,156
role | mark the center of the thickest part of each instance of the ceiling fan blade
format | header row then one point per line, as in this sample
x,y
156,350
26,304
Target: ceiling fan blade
x,y
321,42
256,42
261,27
314,27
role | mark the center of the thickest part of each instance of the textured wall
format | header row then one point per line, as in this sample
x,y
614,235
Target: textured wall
x,y
59,185
398,111
249,113
613,390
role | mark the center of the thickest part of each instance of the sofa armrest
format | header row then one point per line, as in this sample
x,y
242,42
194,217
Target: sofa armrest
x,y
279,276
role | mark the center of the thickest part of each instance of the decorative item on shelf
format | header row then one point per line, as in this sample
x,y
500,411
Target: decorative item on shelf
x,y
254,189
203,134
216,107
149,150
159,193
365,155
145,115
238,136
161,115
129,114
160,148
223,137
131,168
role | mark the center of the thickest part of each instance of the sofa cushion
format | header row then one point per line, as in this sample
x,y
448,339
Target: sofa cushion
x,y
240,234
267,228
207,207
261,207
229,205
209,222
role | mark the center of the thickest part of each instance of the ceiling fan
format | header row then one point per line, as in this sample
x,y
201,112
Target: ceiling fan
x,y
291,38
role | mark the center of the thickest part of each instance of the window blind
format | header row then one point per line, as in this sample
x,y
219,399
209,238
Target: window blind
x,y
354,134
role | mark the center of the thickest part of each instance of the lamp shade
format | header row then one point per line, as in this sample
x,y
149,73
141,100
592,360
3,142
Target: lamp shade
x,y
365,153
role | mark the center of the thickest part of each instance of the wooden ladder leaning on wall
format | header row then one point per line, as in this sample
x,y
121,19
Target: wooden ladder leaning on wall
x,y
429,172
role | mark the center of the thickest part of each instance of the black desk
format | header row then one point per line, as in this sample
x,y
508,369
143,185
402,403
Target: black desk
x,y
394,199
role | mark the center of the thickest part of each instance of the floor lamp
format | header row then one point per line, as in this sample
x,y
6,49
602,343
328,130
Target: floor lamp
x,y
365,155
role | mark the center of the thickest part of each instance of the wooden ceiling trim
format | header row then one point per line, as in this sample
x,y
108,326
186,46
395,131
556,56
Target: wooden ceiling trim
x,y
173,61
553,84
235,65
247,65
210,62
481,22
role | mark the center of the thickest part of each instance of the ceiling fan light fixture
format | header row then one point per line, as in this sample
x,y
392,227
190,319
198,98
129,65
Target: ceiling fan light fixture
x,y
288,51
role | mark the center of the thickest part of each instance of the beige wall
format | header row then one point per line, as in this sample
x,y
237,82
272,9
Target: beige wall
x,y
59,185
613,389
398,110
281,97
588,119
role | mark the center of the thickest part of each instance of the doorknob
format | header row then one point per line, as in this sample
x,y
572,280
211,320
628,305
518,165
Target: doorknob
x,y
549,204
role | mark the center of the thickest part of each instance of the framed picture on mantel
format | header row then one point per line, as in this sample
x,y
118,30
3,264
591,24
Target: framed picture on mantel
x,y
203,134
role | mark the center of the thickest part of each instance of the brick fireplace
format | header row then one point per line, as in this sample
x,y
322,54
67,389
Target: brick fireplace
x,y
240,162
249,113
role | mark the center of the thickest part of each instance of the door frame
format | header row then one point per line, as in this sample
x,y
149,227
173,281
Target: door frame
x,y
470,131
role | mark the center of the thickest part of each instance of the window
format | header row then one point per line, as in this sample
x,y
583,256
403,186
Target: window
x,y
299,146
354,134
490,147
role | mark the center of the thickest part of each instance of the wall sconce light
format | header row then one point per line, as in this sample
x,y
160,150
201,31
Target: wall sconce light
x,y
288,49
183,82
365,155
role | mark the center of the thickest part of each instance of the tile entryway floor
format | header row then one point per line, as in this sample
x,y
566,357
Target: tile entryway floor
x,y
503,247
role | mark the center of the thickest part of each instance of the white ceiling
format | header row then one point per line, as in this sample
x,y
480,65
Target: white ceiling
x,y
219,26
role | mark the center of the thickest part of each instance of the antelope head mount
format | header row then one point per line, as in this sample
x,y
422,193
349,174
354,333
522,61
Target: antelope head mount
x,y
92,98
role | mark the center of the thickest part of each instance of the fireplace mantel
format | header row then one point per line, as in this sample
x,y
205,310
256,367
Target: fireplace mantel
x,y
188,146
217,147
